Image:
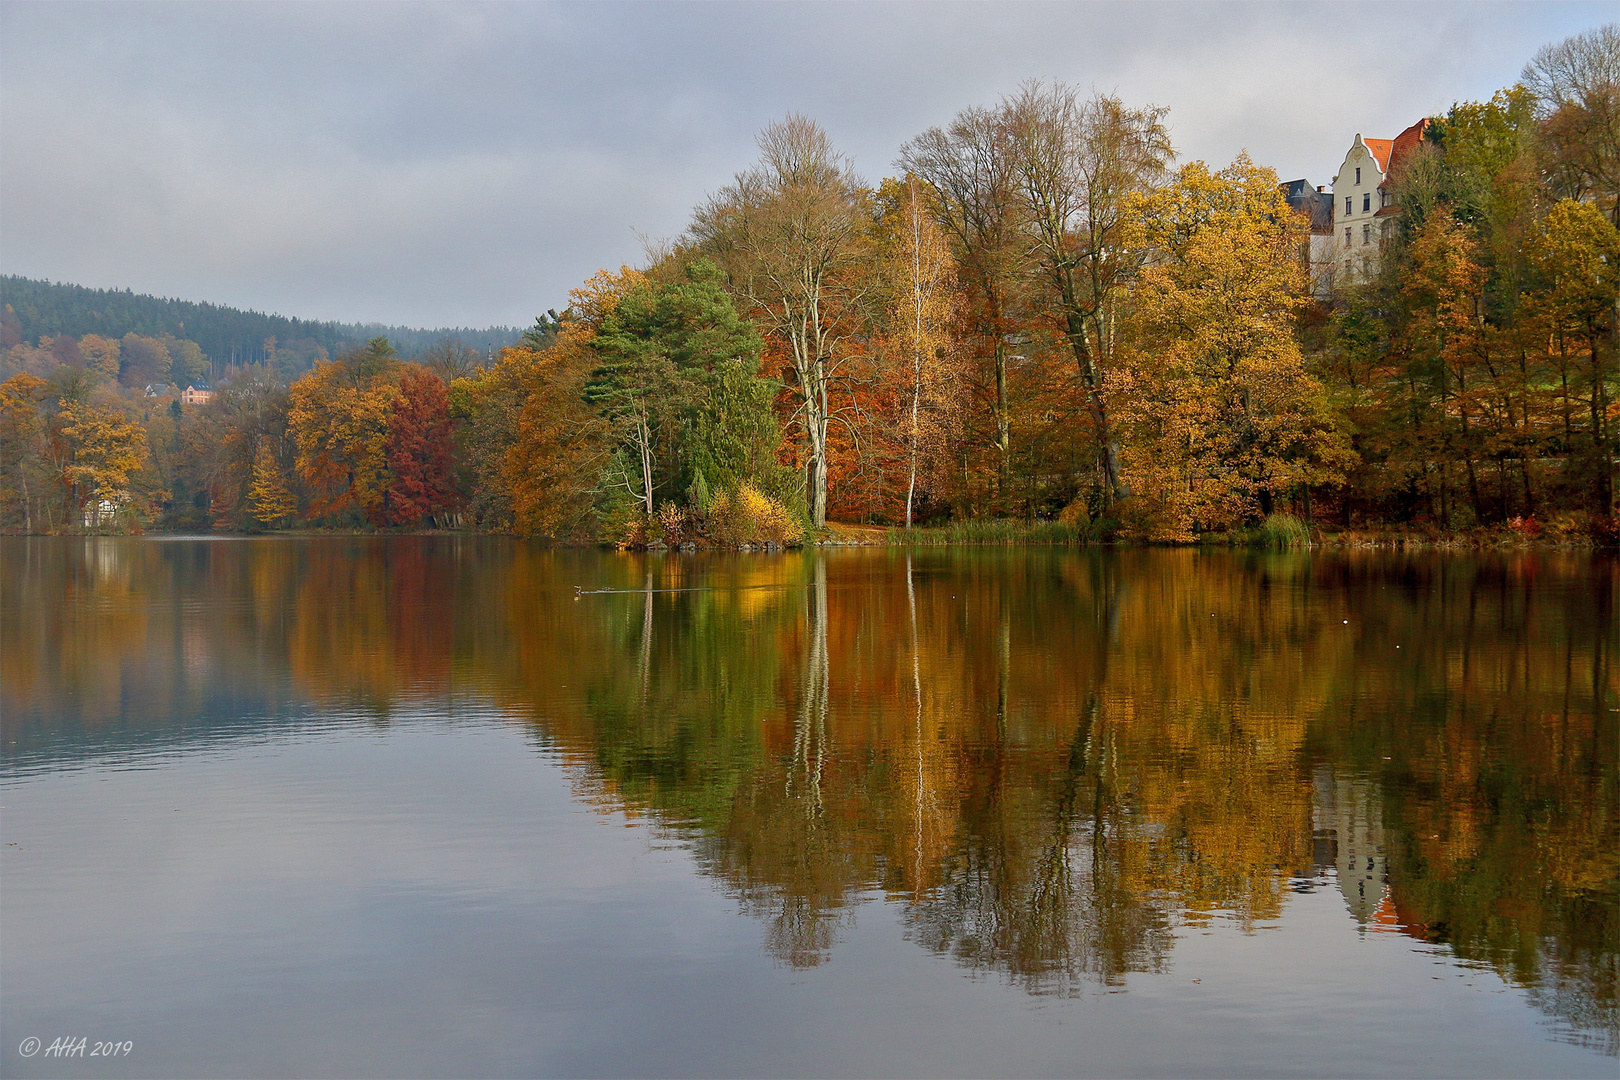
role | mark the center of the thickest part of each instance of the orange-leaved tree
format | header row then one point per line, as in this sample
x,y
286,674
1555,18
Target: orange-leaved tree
x,y
22,449
537,441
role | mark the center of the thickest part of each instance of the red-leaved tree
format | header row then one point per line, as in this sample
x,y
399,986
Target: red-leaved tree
x,y
420,478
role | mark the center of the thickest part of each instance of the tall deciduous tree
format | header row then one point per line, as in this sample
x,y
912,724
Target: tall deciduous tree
x,y
970,168
791,235
338,418
1223,415
143,360
1576,256
921,282
420,478
101,354
105,450
558,447
1077,163
1577,87
1444,337
22,449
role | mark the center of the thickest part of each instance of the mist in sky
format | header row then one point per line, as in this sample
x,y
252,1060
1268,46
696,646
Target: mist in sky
x,y
468,164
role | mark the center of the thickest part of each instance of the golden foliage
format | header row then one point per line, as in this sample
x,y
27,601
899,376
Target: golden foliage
x,y
340,426
743,515
1223,414
269,500
104,448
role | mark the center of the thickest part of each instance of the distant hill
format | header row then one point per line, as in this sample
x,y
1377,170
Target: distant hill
x,y
226,335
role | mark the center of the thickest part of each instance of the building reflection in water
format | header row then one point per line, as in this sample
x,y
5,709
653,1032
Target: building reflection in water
x,y
1347,837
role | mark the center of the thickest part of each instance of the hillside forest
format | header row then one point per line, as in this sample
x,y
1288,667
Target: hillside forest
x,y
1043,315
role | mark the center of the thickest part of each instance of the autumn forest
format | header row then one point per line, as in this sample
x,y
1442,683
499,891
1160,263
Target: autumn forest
x,y
1043,316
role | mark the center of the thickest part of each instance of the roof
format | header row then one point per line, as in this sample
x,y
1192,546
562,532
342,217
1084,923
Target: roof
x,y
1380,151
1389,153
1406,142
1311,202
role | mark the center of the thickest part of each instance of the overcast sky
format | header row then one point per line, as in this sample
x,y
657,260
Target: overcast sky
x,y
467,164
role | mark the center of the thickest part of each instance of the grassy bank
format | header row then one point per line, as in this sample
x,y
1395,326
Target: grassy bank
x,y
1280,532
963,532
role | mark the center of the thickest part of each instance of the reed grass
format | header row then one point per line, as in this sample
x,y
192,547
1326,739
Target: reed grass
x,y
1001,532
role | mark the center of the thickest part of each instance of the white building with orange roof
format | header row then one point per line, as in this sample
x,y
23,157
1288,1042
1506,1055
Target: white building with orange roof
x,y
1364,201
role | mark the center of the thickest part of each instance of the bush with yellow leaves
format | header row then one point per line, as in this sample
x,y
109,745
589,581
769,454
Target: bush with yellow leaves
x,y
745,515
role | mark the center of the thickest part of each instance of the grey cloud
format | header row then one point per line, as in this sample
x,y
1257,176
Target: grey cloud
x,y
469,163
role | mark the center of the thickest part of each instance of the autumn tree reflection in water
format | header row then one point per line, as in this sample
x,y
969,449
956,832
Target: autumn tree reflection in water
x,y
1050,759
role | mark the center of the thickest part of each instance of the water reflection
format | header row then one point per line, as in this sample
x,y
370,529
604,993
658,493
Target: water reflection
x,y
1053,762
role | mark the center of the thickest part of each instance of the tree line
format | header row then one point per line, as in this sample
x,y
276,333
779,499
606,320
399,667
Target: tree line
x,y
1041,316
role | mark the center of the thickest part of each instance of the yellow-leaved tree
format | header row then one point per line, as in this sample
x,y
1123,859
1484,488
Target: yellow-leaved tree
x,y
269,500
1223,415
338,418
1444,340
1576,256
104,451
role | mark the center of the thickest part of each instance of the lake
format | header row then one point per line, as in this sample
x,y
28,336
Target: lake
x,y
457,806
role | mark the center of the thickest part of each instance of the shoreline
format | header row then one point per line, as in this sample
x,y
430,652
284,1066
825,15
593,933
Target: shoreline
x,y
990,534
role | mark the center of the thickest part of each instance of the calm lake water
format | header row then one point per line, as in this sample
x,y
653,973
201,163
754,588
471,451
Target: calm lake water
x,y
414,807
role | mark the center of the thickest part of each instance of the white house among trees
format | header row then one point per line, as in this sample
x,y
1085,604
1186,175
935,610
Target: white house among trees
x,y
1364,201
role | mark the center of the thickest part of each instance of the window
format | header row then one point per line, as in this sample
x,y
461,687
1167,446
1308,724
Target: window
x,y
1358,174
1366,202
1366,234
1347,205
1347,238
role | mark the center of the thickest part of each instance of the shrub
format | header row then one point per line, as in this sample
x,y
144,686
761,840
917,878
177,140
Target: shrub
x,y
743,515
673,521
1076,515
1527,527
